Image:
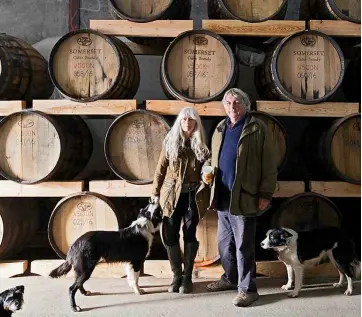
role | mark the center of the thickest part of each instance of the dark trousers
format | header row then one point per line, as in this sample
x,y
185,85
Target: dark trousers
x,y
236,242
190,217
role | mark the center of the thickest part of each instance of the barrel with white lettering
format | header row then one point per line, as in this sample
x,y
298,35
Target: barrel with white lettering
x,y
35,147
86,65
77,214
133,145
306,67
198,66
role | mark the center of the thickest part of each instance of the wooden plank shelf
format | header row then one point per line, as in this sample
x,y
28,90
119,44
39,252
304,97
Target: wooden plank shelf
x,y
173,107
12,268
99,107
335,189
289,188
121,188
162,269
159,28
293,109
336,28
10,106
241,28
46,189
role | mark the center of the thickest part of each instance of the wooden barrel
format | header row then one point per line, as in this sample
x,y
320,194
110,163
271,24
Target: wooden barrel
x,y
307,211
278,137
23,71
247,10
349,10
332,150
86,65
147,11
205,67
77,214
19,221
306,67
133,145
206,234
352,80
35,147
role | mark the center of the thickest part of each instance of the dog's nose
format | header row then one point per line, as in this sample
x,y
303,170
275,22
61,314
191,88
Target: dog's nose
x,y
261,244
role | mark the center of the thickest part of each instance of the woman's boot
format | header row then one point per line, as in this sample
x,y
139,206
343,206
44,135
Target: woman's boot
x,y
189,259
174,256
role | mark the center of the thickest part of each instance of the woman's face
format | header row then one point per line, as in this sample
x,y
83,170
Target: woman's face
x,y
188,125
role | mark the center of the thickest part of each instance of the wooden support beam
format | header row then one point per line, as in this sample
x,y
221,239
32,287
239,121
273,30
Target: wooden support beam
x,y
289,188
336,27
99,107
241,28
159,28
11,106
120,188
173,107
293,109
12,268
336,189
46,189
102,270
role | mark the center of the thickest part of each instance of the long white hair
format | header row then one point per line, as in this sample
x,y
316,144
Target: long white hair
x,y
174,142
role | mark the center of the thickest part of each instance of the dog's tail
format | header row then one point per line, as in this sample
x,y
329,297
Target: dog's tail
x,y
61,270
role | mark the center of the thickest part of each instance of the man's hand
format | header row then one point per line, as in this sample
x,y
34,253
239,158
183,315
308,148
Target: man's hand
x,y
263,203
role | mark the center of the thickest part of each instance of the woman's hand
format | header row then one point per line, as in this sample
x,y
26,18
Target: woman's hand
x,y
154,199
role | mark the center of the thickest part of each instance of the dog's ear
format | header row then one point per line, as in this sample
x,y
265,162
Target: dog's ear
x,y
20,289
286,234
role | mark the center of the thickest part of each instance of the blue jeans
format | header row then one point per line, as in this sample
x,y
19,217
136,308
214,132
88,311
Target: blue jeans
x,y
236,242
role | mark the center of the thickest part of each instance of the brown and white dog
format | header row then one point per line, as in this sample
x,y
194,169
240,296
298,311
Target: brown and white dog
x,y
306,249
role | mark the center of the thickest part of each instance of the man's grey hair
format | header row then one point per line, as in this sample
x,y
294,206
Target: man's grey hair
x,y
240,96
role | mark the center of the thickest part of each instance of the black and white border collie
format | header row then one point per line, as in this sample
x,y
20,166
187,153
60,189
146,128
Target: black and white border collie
x,y
130,245
306,249
11,301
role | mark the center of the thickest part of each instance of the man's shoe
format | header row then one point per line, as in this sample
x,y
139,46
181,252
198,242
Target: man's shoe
x,y
245,299
220,285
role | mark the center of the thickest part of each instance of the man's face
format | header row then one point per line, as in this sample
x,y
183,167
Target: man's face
x,y
233,108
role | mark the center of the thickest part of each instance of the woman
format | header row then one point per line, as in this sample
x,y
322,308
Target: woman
x,y
177,188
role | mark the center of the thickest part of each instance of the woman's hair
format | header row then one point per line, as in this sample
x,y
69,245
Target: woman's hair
x,y
240,96
174,142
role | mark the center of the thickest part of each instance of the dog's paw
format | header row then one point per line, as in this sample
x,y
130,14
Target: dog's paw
x,y
348,292
76,308
293,294
286,287
337,285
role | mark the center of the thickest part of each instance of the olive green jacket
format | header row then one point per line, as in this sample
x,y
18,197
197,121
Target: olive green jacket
x,y
256,169
168,180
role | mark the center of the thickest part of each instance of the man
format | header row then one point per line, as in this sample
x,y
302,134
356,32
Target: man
x,y
245,175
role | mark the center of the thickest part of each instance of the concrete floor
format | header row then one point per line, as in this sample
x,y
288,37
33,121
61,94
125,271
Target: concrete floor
x,y
45,297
